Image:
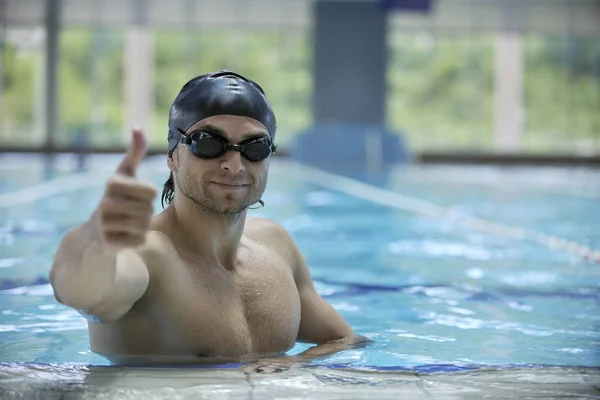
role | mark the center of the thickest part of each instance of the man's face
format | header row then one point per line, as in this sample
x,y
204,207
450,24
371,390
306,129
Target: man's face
x,y
226,185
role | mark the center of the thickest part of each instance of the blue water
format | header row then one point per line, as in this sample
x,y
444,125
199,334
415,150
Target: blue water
x,y
430,292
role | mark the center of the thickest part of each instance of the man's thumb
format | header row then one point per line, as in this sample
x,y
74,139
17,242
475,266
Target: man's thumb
x,y
135,153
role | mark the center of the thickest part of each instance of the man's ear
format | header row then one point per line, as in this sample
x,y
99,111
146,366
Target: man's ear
x,y
171,159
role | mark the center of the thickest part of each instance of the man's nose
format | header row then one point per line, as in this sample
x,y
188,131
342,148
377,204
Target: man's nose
x,y
232,161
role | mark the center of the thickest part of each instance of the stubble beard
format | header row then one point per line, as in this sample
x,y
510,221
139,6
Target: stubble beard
x,y
200,195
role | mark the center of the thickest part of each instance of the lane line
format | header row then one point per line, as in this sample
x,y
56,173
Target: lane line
x,y
374,194
50,188
565,191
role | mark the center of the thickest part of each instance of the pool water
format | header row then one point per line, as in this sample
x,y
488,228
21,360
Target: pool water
x,y
436,294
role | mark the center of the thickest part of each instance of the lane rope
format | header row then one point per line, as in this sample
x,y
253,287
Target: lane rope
x,y
374,194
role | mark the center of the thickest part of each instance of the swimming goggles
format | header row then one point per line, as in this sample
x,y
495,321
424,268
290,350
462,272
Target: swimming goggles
x,y
207,145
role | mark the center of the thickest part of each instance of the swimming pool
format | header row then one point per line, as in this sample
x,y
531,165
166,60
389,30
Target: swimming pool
x,y
467,279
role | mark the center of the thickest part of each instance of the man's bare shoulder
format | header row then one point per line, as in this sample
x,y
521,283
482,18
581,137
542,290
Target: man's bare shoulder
x,y
265,229
270,233
157,251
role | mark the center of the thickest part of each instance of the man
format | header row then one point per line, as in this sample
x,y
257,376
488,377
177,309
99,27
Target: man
x,y
201,279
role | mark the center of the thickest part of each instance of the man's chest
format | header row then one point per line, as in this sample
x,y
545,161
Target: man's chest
x,y
254,309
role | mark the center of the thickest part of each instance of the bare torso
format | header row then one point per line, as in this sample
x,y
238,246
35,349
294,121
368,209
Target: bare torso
x,y
193,308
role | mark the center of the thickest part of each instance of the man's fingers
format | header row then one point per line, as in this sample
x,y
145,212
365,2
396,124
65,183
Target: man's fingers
x,y
124,239
135,153
128,188
132,226
125,207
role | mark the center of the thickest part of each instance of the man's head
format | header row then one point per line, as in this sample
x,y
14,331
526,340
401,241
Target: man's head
x,y
221,132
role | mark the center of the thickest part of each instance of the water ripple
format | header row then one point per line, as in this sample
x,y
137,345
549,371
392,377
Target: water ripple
x,y
462,292
320,198
443,249
572,350
10,262
432,338
45,327
37,290
301,222
474,323
27,227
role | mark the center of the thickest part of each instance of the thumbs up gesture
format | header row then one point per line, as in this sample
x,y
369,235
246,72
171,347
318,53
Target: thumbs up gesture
x,y
124,214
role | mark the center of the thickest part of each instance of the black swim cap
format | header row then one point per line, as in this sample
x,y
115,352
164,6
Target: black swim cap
x,y
218,93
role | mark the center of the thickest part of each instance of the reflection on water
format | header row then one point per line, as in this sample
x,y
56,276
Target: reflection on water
x,y
27,381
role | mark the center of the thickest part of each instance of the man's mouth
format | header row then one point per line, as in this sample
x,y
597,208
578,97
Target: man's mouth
x,y
232,185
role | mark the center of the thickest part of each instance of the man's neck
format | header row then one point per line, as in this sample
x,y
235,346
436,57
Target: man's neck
x,y
203,234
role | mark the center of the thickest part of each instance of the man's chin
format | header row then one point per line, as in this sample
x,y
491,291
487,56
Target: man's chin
x,y
232,209
226,205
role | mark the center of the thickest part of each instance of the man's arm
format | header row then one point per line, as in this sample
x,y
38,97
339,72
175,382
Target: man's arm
x,y
320,323
97,269
101,283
